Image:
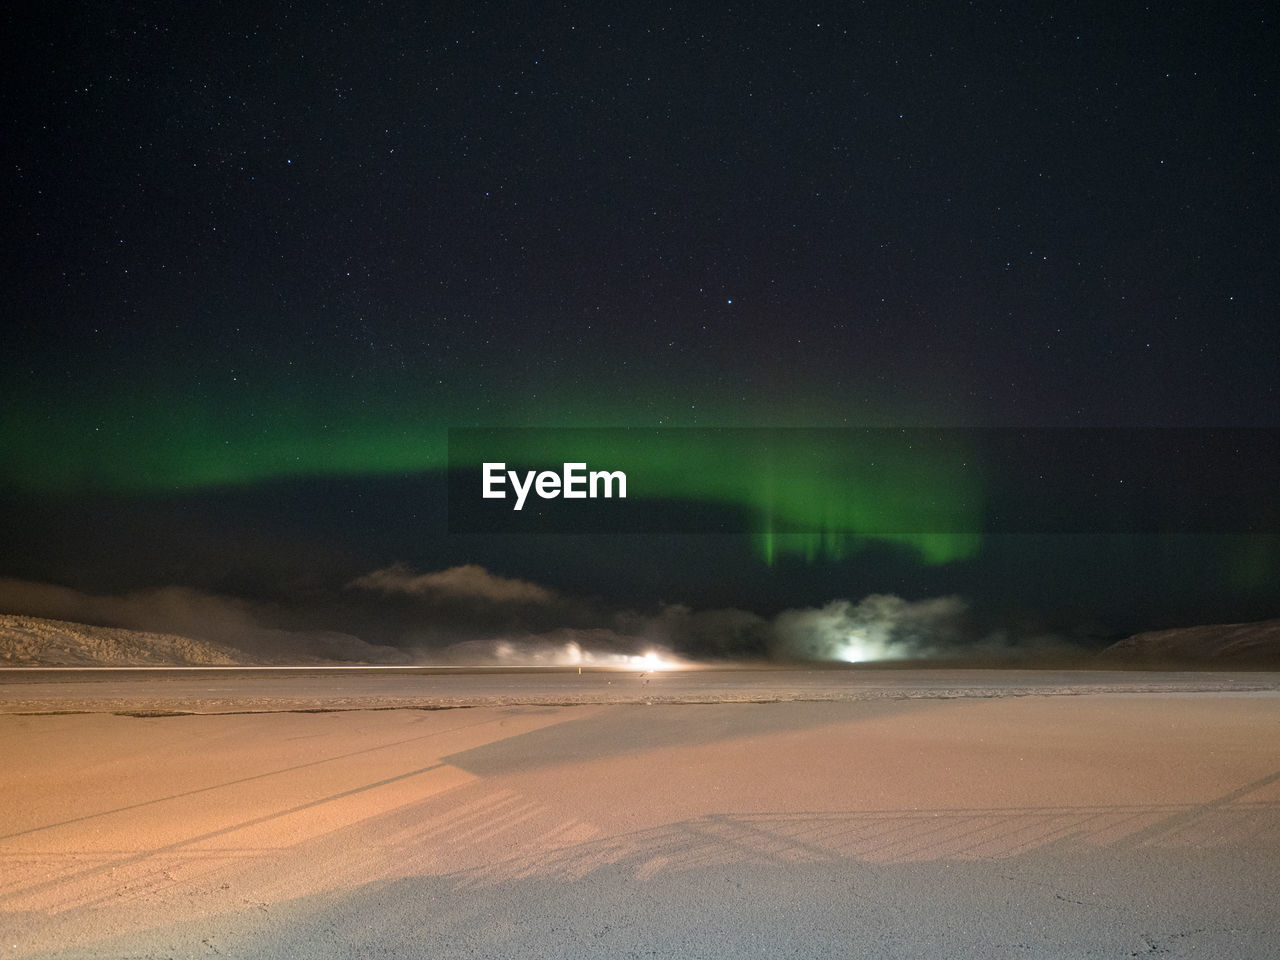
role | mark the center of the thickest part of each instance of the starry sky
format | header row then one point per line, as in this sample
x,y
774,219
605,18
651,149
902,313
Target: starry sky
x,y
260,258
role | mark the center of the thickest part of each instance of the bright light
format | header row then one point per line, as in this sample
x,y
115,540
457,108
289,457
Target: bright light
x,y
572,654
855,650
652,660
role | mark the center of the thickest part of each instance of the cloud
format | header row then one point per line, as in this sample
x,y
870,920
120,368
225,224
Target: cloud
x,y
887,627
191,613
725,632
174,609
879,627
467,582
563,647
466,614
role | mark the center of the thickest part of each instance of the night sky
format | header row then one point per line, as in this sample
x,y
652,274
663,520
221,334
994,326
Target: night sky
x,y
259,258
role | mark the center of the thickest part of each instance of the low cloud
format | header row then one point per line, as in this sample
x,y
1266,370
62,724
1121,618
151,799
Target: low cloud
x,y
879,627
467,582
469,615
192,613
566,647
720,633
167,609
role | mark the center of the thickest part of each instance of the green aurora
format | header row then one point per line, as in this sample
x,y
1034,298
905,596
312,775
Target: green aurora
x,y
809,492
165,442
165,439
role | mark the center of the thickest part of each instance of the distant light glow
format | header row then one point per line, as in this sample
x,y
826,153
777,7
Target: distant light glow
x,y
853,652
858,649
517,653
652,660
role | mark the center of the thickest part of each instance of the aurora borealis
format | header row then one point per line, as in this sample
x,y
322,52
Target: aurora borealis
x,y
259,266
